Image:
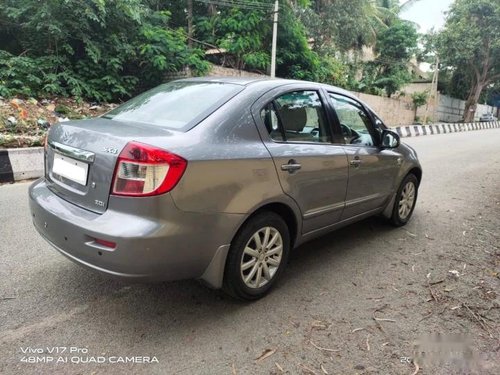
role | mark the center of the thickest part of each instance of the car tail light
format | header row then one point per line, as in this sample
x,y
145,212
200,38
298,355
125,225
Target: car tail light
x,y
143,170
111,245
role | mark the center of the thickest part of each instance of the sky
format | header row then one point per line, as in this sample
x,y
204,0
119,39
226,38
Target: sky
x,y
427,13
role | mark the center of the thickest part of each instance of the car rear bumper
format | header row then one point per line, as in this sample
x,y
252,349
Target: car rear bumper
x,y
154,241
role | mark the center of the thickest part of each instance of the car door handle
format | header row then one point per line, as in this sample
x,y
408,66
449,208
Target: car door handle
x,y
291,167
355,162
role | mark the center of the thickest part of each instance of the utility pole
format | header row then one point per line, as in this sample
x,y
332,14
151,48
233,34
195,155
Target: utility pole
x,y
436,98
275,39
433,93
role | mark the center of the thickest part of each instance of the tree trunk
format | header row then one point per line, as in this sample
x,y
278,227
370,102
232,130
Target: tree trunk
x,y
212,10
190,22
471,103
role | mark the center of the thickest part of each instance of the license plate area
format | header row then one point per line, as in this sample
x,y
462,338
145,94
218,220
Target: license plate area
x,y
70,169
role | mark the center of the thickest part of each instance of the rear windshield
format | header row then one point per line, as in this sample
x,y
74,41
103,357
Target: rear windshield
x,y
177,105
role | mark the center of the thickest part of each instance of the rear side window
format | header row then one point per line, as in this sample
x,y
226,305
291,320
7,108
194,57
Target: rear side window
x,y
297,117
177,105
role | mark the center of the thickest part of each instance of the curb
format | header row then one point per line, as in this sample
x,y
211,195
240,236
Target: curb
x,y
25,163
21,164
420,130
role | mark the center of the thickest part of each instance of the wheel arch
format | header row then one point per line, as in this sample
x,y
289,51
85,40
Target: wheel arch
x,y
417,172
286,213
214,274
285,210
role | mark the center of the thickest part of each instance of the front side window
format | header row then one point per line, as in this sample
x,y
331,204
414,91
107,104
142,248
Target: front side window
x,y
297,116
354,121
272,123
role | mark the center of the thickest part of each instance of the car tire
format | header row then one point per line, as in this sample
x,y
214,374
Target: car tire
x,y
257,256
406,198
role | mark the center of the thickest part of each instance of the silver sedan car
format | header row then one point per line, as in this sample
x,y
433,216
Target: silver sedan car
x,y
218,179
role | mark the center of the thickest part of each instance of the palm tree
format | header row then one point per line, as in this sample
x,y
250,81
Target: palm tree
x,y
406,5
348,25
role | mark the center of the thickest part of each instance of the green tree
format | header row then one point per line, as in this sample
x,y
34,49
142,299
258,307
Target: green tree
x,y
246,35
344,25
469,45
239,31
294,57
395,47
404,5
95,49
419,99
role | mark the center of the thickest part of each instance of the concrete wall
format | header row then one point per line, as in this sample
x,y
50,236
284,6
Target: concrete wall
x,y
399,111
417,87
452,110
215,71
221,71
392,111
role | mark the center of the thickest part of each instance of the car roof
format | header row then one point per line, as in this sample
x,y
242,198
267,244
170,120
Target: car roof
x,y
265,81
245,81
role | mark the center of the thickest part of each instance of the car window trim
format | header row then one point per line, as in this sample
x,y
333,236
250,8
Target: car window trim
x,y
280,124
371,128
335,129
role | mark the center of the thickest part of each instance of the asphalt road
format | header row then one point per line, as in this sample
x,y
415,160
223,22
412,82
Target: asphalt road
x,y
354,301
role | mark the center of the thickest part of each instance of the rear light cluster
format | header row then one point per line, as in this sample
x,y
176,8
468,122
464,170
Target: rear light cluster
x,y
144,170
111,245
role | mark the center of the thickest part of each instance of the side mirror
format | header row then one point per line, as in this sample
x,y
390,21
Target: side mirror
x,y
390,139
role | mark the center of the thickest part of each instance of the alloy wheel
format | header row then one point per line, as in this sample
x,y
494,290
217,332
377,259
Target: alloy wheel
x,y
261,257
407,200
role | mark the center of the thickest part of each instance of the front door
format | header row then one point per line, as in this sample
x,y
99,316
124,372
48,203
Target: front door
x,y
372,170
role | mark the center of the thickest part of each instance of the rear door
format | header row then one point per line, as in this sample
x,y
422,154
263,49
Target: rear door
x,y
372,170
312,169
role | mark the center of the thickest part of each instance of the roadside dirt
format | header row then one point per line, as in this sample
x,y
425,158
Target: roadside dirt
x,y
431,307
24,122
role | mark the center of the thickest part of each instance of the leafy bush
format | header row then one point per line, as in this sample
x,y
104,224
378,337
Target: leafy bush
x,y
419,99
93,49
